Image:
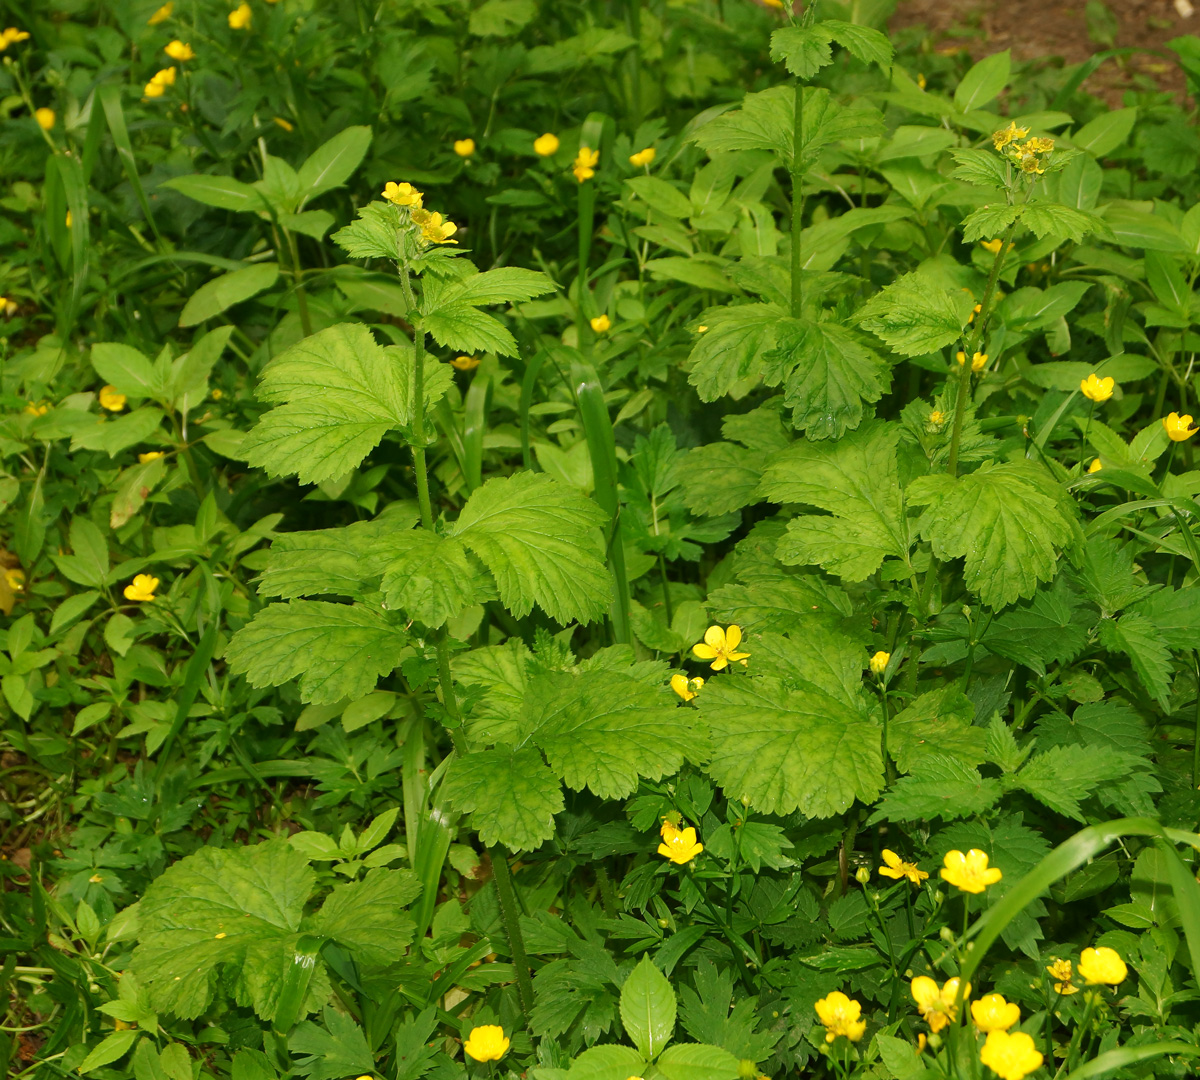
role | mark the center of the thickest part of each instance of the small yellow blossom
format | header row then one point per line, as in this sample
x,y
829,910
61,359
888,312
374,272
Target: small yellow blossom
x,y
921,1042
937,1007
1010,1055
110,399
179,50
159,82
11,36
969,872
1012,133
1179,427
15,578
600,324
1095,466
921,84
937,418
95,879
960,356
679,845
142,588
162,14
774,4
585,163
219,936
1102,966
643,157
1031,164
993,246
287,125
402,194
67,219
686,688
217,394
239,17
974,311
465,363
701,329
464,147
879,662
436,230
1060,970
150,455
720,646
486,1043
37,408
993,1013
979,361
1038,145
897,868
1096,389
45,118
840,1016
546,145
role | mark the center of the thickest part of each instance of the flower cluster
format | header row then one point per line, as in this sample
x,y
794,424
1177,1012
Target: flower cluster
x,y
678,845
1027,154
434,229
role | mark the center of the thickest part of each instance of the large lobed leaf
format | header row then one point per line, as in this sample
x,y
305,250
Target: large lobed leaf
x,y
512,796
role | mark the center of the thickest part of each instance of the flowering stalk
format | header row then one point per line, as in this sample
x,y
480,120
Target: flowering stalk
x,y
797,204
510,912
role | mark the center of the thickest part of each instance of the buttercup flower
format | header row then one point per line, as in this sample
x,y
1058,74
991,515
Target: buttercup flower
x,y
993,246
287,125
434,228
110,399
179,50
1010,1056
159,82
11,36
486,1043
1060,970
720,646
600,324
974,311
1097,389
879,662
150,455
239,17
142,588
585,164
464,147
402,194
679,845
15,578
545,145
45,118
162,14
465,363
1039,145
897,868
960,356
1102,966
643,157
993,1013
937,1007
686,688
840,1016
1095,466
1179,427
37,408
1012,133
979,361
969,872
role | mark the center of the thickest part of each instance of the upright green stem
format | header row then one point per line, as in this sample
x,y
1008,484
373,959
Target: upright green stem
x,y
510,912
418,404
1196,743
797,204
298,278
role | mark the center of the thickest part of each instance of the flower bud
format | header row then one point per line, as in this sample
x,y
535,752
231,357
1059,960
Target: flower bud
x,y
862,875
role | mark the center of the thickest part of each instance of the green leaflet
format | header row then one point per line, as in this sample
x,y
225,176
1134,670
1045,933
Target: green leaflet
x,y
939,720
339,1049
336,394
432,579
450,307
916,314
805,49
814,654
512,796
939,786
732,347
368,916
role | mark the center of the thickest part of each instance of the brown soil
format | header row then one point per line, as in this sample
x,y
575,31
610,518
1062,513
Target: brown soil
x,y
1036,29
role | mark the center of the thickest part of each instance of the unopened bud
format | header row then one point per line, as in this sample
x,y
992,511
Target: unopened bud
x,y
946,934
747,1069
862,875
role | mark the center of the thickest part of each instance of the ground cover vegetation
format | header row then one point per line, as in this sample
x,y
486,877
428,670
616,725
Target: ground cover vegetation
x,y
592,542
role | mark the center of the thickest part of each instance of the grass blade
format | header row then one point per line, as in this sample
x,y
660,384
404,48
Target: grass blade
x,y
1129,1055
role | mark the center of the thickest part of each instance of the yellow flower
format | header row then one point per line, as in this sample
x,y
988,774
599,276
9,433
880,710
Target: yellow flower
x,y
15,579
142,588
287,125
643,157
774,3
993,246
486,1043
840,1016
701,329
601,324
239,17
1010,1056
545,145
921,81
686,688
45,118
110,399
149,456
585,164
162,14
1102,965
217,394
1012,133
1179,427
1031,164
67,219
969,872
993,1013
937,418
179,50
897,868
979,361
402,194
464,147
720,646
960,356
159,82
435,230
879,662
679,845
1097,389
937,1007
1095,466
37,408
1060,970
465,363
153,89
11,36
1038,145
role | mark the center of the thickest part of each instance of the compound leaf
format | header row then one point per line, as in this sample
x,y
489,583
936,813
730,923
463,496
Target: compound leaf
x,y
512,796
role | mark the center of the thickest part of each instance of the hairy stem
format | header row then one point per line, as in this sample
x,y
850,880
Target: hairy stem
x,y
797,204
510,912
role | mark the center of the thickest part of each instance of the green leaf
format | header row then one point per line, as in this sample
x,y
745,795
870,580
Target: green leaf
x,y
938,721
368,917
862,42
1053,219
1104,134
336,650
721,477
661,196
938,786
1175,614
332,163
804,50
1045,630
990,222
696,1061
814,653
432,579
648,1009
542,543
916,315
983,82
221,907
607,1063
126,369
231,288
374,234
501,18
314,223
981,167
732,347
1139,639
855,479
787,749
764,122
337,1050
337,394
511,795
114,435
1008,520
109,1049
603,730
1065,774
449,308
189,374
223,192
